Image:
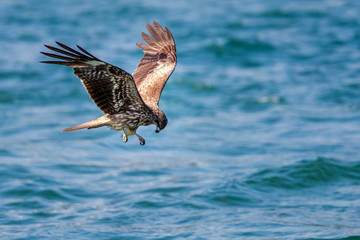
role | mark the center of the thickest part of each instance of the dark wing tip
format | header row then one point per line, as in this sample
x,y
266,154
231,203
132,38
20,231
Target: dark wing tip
x,y
86,52
71,56
59,63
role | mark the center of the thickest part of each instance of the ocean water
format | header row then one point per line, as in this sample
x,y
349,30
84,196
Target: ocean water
x,y
263,134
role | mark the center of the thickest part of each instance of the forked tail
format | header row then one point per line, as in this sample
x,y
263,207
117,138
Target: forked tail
x,y
101,121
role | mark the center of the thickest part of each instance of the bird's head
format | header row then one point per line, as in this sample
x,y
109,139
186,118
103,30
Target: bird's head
x,y
161,123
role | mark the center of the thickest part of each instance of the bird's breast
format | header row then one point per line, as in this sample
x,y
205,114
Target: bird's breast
x,y
129,119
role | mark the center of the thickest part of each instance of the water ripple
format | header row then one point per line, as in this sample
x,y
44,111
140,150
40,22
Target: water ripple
x,y
305,174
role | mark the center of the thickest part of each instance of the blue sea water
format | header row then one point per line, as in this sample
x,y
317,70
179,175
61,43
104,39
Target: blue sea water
x,y
263,134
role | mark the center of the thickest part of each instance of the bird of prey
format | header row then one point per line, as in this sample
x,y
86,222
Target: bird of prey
x,y
128,101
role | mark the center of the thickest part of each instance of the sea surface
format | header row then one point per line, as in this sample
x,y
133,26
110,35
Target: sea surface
x,y
263,139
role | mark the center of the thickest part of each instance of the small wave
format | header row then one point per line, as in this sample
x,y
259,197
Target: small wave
x,y
292,14
348,93
235,46
252,104
346,238
19,75
280,14
232,193
250,44
6,97
48,194
193,84
306,173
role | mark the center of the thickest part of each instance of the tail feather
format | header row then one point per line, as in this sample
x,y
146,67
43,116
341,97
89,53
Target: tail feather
x,y
101,121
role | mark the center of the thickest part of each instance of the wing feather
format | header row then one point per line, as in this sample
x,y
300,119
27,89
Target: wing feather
x,y
156,34
111,88
157,64
149,39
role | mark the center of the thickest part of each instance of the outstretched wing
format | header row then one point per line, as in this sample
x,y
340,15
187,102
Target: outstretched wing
x,y
157,64
111,88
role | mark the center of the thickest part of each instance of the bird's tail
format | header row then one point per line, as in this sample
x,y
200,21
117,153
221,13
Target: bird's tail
x,y
101,121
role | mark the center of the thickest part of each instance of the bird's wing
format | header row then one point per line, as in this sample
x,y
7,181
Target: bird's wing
x,y
157,64
111,88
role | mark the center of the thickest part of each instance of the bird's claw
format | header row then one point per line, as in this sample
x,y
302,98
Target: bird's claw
x,y
142,141
125,138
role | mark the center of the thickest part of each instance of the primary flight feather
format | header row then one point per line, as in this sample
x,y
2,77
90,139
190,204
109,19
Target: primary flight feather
x,y
128,101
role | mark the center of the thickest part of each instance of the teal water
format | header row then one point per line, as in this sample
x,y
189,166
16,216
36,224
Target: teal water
x,y
263,134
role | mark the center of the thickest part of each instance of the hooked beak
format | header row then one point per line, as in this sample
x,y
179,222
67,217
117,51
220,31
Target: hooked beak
x,y
157,130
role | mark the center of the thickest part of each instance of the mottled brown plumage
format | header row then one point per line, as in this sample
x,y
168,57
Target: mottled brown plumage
x,y
128,101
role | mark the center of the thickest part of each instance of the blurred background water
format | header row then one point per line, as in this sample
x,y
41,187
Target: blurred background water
x,y
263,134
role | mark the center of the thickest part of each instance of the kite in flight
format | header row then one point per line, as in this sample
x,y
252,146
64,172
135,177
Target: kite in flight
x,y
128,101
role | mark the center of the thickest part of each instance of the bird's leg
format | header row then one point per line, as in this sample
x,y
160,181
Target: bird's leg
x,y
129,132
141,139
125,138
